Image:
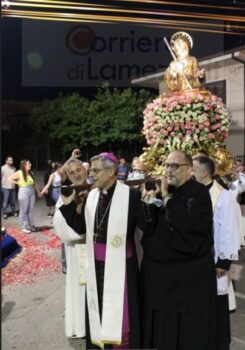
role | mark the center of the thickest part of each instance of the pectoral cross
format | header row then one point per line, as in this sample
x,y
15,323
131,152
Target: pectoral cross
x,y
98,223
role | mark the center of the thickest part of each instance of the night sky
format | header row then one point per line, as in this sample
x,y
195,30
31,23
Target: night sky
x,y
47,47
12,45
11,69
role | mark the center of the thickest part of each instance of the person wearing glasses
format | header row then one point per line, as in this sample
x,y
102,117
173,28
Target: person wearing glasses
x,y
112,211
178,273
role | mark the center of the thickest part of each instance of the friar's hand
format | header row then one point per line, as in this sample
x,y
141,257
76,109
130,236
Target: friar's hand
x,y
68,199
148,196
79,197
79,200
76,153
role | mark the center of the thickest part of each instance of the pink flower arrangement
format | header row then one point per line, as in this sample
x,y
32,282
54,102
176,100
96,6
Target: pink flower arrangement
x,y
186,121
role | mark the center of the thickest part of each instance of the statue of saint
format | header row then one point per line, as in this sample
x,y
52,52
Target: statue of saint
x,y
183,73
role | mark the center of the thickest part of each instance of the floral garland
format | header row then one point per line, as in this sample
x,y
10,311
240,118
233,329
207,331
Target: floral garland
x,y
186,121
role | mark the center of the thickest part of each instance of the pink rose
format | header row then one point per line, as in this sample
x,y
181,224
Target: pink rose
x,y
150,106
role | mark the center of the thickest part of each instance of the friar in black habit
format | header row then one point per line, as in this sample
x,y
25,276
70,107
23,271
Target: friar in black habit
x,y
178,272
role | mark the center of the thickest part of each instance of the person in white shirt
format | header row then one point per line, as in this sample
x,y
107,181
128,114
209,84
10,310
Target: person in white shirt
x,y
226,243
54,182
8,188
237,187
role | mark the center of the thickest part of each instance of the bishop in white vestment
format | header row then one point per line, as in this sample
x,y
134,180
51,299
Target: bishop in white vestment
x,y
110,217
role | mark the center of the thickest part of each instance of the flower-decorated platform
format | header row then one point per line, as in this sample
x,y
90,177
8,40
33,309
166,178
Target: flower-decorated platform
x,y
191,121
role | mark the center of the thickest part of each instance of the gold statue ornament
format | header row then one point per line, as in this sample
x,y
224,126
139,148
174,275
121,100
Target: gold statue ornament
x,y
183,73
188,117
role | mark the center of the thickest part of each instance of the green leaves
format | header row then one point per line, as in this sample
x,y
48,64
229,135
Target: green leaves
x,y
74,121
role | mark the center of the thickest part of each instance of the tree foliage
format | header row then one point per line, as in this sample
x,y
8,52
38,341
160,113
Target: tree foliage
x,y
74,121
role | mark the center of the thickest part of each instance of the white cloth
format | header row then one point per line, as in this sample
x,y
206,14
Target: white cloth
x,y
236,188
225,225
232,297
109,329
75,292
223,285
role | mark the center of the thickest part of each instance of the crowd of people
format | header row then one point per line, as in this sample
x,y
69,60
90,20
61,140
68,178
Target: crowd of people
x,y
22,186
191,225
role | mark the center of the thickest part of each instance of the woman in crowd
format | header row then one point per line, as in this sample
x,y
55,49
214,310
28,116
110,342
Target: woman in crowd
x,y
48,198
25,180
54,182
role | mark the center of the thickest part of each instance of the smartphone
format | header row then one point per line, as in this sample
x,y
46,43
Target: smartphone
x,y
150,185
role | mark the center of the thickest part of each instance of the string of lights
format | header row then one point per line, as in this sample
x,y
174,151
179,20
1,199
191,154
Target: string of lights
x,y
154,13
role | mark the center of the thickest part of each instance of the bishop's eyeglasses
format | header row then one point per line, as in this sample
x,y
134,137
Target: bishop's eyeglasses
x,y
96,170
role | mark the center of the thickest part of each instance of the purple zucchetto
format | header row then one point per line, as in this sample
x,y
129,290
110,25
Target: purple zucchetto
x,y
110,156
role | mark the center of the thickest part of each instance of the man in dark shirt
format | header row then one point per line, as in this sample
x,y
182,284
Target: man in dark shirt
x,y
178,272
